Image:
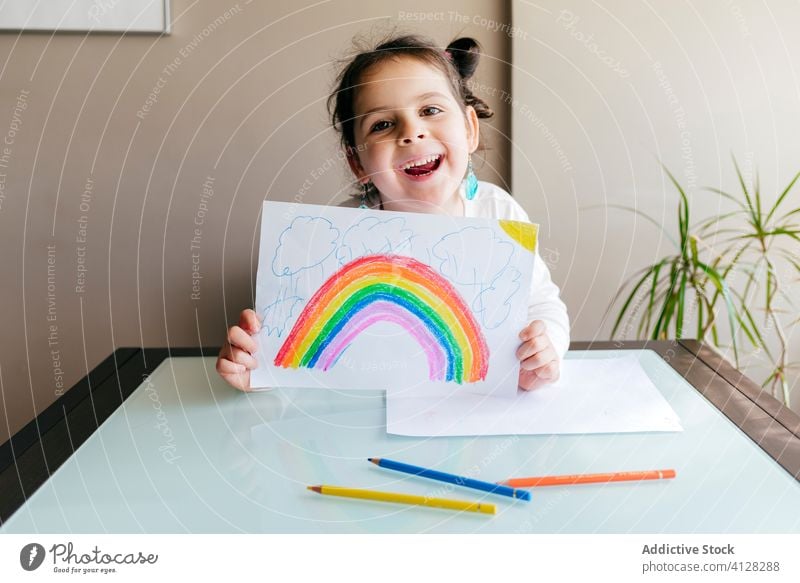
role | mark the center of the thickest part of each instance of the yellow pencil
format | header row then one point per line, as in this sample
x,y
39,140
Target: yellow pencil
x,y
463,505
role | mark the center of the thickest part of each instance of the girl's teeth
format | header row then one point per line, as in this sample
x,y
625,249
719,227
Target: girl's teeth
x,y
422,162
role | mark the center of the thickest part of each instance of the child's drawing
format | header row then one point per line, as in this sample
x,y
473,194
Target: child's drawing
x,y
411,300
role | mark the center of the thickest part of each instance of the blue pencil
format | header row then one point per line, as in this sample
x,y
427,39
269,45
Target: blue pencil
x,y
452,479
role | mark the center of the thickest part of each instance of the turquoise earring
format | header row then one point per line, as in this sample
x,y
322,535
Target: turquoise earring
x,y
364,193
470,181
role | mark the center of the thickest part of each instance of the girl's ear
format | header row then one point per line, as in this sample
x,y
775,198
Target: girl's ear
x,y
355,164
473,132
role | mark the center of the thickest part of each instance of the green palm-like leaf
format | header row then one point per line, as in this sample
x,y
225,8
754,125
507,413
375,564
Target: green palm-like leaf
x,y
751,210
722,286
782,197
681,304
646,274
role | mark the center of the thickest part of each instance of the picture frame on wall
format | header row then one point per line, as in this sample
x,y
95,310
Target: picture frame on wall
x,y
122,16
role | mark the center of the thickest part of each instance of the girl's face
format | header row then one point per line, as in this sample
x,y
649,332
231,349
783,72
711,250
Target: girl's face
x,y
413,140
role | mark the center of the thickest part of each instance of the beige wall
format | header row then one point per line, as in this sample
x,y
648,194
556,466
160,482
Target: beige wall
x,y
603,91
239,111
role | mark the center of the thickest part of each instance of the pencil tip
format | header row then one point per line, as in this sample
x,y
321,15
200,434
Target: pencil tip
x,y
374,460
317,489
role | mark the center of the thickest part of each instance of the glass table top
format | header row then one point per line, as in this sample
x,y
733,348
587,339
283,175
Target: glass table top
x,y
186,453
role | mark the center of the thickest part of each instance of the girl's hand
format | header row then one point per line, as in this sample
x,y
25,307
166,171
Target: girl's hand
x,y
538,359
235,359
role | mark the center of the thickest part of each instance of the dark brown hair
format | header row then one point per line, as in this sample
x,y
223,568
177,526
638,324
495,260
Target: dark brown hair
x,y
457,62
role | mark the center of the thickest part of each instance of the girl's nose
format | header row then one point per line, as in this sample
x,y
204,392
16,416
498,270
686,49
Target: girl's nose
x,y
410,133
409,140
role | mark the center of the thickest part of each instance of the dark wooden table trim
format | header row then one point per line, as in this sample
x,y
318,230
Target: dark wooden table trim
x,y
767,421
31,456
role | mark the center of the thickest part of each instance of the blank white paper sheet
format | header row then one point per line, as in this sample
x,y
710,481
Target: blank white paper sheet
x,y
593,395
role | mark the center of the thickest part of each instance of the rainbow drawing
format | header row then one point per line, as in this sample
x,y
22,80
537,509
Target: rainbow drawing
x,y
396,289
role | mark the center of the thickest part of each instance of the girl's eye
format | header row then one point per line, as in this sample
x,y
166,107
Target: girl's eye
x,y
380,126
383,124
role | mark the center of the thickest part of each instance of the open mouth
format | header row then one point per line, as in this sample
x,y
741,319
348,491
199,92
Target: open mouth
x,y
423,166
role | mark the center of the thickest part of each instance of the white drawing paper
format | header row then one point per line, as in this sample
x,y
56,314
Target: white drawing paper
x,y
593,395
356,298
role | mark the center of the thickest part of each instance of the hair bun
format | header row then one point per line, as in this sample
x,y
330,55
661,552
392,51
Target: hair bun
x,y
465,53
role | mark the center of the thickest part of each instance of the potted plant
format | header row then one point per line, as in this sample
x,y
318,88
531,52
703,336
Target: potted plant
x,y
733,268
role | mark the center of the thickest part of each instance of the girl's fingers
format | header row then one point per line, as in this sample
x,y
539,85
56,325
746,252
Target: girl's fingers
x,y
549,372
532,330
239,356
249,322
539,359
529,381
234,374
238,338
228,367
533,379
533,346
235,357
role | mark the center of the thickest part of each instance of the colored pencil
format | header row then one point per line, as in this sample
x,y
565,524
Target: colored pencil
x,y
461,505
588,478
452,479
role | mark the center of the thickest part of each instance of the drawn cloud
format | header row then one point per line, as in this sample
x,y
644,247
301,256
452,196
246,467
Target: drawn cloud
x,y
493,304
306,243
372,235
472,255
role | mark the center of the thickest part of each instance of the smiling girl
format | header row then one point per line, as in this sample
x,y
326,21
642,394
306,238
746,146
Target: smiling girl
x,y
409,125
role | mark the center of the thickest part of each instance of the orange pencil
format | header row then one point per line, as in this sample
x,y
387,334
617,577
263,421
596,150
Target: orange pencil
x,y
587,478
